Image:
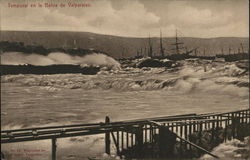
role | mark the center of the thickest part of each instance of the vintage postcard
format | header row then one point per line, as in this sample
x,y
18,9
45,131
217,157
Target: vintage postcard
x,y
124,79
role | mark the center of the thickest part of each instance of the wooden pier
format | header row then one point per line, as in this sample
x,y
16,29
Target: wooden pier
x,y
189,135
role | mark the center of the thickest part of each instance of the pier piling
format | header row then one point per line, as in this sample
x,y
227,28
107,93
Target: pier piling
x,y
160,137
107,137
53,148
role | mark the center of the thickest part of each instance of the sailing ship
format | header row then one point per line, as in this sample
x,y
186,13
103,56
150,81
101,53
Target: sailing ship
x,y
179,51
241,55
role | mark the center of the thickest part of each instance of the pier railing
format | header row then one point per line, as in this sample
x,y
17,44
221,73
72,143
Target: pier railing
x,y
159,137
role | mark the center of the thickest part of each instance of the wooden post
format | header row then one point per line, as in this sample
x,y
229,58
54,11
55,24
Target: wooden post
x,y
185,134
200,132
205,124
139,141
190,132
221,121
107,137
132,143
185,130
233,125
122,140
225,130
194,126
248,116
127,139
139,136
53,148
154,132
151,134
181,130
181,144
243,116
213,130
217,122
132,139
239,133
167,140
248,119
190,128
118,141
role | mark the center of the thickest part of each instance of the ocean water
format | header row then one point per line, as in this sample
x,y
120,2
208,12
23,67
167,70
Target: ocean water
x,y
122,94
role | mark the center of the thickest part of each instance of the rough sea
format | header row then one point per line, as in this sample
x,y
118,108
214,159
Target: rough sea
x,y
196,86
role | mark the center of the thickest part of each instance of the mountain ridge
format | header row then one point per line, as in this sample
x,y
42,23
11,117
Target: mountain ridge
x,y
115,35
117,46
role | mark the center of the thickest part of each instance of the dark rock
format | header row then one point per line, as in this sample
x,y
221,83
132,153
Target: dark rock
x,y
154,63
50,69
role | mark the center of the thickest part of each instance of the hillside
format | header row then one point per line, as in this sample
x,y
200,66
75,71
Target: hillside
x,y
117,46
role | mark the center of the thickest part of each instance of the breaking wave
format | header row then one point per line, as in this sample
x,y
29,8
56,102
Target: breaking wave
x,y
95,59
186,80
231,150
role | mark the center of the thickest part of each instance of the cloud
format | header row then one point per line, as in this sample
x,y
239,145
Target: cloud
x,y
100,18
125,20
206,20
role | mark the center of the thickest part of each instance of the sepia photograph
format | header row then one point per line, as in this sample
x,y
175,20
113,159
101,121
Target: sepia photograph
x,y
124,79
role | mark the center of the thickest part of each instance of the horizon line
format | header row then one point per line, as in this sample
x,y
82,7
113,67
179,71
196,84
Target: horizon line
x,y
123,36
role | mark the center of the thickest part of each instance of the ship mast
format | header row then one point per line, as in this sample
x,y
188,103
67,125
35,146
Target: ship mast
x,y
229,50
242,47
195,52
176,44
75,45
65,44
150,50
122,53
238,50
161,47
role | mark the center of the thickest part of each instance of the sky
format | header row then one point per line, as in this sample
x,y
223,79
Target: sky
x,y
132,18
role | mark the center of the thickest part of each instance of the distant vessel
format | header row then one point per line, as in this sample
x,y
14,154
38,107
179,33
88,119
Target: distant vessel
x,y
241,55
179,52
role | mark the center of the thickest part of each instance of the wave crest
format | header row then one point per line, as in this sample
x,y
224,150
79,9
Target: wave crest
x,y
95,59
